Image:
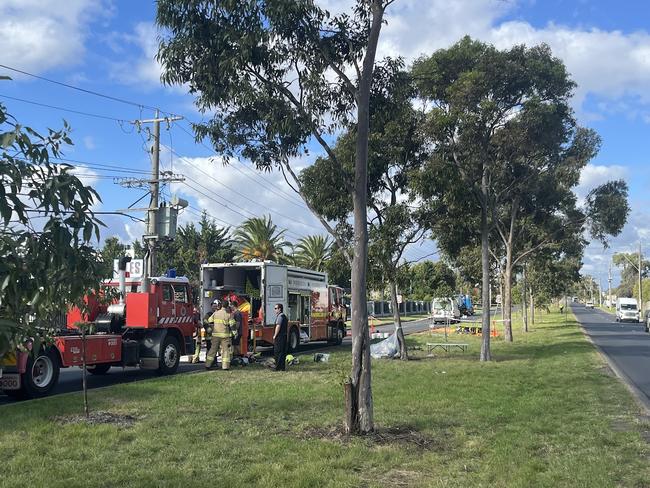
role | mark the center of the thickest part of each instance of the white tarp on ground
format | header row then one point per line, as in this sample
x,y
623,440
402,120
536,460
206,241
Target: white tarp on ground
x,y
388,348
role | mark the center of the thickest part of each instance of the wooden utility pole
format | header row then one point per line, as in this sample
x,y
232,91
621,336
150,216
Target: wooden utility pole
x,y
640,284
151,235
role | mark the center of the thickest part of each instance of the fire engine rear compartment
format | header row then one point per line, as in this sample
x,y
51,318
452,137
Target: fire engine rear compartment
x,y
300,292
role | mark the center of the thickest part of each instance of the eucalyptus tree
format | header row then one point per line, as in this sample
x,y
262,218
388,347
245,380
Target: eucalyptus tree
x,y
47,226
430,279
628,263
274,75
396,218
504,132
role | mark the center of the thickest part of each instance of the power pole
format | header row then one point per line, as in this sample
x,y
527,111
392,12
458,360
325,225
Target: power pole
x,y
609,284
600,292
640,285
152,231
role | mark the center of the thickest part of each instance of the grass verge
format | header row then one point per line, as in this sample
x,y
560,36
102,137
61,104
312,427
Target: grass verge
x,y
545,412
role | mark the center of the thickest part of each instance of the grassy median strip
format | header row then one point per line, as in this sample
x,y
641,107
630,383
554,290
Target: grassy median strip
x,y
545,412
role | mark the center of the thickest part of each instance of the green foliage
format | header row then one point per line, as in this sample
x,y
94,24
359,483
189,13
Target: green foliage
x,y
113,249
628,263
607,209
507,144
259,239
313,252
396,150
338,268
191,247
550,275
47,228
431,279
236,57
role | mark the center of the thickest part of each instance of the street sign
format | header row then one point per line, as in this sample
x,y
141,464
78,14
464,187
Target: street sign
x,y
134,267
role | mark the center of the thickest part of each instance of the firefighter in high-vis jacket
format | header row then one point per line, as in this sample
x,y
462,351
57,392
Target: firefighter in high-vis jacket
x,y
223,326
207,329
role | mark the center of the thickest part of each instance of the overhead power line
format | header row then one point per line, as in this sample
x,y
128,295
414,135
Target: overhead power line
x,y
54,107
254,176
83,90
237,193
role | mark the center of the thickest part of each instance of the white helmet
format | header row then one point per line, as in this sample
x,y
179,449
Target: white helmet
x,y
216,302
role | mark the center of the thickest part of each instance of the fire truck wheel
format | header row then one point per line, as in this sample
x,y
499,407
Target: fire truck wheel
x,y
170,355
98,369
294,340
41,374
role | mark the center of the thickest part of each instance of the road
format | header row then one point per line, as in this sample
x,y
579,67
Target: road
x,y
70,378
626,345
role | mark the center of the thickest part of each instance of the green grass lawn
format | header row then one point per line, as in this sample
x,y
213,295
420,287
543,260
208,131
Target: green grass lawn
x,y
545,412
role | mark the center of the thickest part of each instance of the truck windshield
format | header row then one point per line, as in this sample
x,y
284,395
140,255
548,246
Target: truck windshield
x,y
441,304
628,306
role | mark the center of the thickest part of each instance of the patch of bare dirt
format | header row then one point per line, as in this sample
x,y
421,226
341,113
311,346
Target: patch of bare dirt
x,y
403,436
99,418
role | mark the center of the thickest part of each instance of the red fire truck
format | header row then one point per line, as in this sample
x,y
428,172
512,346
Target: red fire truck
x,y
315,310
151,330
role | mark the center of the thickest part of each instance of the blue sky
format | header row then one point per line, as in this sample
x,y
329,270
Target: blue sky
x,y
108,47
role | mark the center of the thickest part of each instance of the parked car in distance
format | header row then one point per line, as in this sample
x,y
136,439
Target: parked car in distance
x,y
589,304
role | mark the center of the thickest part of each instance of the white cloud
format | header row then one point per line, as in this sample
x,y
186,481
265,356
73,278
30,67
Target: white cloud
x,y
609,65
594,175
37,35
235,192
88,177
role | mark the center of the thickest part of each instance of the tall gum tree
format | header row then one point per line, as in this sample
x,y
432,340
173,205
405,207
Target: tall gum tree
x,y
395,218
501,121
276,74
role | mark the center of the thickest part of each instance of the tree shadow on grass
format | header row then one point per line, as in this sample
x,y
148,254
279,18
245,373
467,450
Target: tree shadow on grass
x,y
400,436
527,351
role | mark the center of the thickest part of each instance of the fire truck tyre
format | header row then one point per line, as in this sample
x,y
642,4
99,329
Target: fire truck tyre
x,y
98,369
170,355
294,340
41,374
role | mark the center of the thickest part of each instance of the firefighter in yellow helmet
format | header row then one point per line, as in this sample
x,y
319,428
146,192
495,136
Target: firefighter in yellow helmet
x,y
223,325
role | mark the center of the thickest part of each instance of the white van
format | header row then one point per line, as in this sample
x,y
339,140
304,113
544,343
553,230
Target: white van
x,y
445,310
627,310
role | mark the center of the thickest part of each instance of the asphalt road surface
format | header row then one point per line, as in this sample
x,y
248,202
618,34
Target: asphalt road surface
x,y
626,345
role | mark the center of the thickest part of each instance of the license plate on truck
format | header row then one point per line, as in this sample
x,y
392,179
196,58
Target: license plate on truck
x,y
10,381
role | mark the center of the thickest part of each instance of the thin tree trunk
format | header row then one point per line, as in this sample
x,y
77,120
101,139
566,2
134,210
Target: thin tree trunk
x,y
398,322
361,421
524,305
532,308
84,383
507,298
485,291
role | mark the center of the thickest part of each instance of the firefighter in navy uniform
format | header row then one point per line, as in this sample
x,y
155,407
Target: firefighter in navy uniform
x,y
207,328
223,326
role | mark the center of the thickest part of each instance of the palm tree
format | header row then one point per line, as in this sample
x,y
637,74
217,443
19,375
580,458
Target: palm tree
x,y
259,239
313,252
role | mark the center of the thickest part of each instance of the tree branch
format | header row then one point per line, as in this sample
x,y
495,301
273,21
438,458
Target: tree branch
x,y
323,221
